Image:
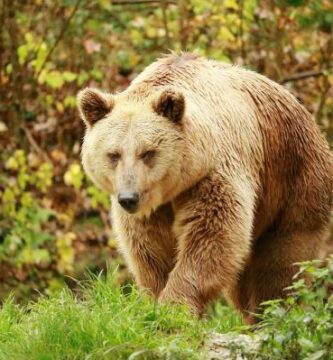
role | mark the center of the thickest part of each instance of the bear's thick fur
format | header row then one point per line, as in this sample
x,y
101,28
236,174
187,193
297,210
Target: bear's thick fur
x,y
224,180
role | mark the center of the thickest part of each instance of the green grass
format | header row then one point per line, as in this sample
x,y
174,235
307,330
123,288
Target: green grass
x,y
105,322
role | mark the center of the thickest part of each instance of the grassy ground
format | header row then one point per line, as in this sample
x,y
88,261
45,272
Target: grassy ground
x,y
105,321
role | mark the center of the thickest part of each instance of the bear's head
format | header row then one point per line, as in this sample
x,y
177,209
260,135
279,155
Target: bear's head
x,y
133,147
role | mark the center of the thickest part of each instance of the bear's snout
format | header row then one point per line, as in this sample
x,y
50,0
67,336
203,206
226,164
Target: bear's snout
x,y
129,200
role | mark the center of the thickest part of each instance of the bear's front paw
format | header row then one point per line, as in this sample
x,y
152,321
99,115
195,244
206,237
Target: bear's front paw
x,y
182,293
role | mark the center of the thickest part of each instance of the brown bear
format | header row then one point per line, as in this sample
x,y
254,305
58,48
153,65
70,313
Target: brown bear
x,y
220,180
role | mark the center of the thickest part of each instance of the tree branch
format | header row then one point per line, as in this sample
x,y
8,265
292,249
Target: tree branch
x,y
60,36
327,62
241,30
2,27
303,75
34,144
165,23
323,98
18,102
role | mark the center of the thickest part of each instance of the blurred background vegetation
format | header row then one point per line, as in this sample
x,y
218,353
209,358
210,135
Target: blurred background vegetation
x,y
53,222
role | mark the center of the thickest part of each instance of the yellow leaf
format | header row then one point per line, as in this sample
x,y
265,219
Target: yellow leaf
x,y
230,4
225,34
60,107
330,79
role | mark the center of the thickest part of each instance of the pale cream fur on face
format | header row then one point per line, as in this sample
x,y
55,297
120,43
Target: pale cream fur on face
x,y
126,131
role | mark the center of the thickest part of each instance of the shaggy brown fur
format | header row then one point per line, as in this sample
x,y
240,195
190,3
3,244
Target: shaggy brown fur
x,y
234,180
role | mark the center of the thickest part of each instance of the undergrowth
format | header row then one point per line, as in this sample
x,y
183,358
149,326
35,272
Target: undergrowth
x,y
107,321
301,327
104,321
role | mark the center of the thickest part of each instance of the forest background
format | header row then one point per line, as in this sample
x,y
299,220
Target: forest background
x,y
54,223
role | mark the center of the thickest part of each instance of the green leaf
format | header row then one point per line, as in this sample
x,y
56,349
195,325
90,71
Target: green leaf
x,y
69,76
317,355
34,256
54,79
41,56
305,343
22,53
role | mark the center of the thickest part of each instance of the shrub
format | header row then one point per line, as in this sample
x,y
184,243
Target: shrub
x,y
43,209
301,326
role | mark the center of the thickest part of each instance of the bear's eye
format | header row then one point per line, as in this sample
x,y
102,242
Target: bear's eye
x,y
147,156
114,157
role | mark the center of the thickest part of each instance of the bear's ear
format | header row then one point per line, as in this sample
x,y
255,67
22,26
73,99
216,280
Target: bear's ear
x,y
93,105
170,104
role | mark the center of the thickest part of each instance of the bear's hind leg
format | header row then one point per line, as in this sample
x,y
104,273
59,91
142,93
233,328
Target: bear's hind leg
x,y
272,267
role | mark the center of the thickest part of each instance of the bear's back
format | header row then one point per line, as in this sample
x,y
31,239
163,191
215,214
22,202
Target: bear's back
x,y
237,101
255,122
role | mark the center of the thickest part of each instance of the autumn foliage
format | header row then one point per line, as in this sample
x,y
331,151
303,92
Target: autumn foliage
x,y
53,220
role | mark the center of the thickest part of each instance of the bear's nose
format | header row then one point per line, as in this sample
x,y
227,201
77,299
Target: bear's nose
x,y
129,201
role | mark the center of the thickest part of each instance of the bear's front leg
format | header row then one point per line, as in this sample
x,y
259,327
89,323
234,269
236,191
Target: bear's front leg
x,y
147,244
213,223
